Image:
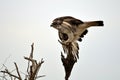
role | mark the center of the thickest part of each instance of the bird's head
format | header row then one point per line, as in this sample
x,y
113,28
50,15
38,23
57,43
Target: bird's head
x,y
57,23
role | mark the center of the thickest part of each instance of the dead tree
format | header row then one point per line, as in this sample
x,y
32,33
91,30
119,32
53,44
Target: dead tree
x,y
32,69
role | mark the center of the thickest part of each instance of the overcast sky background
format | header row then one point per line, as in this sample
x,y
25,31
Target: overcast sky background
x,y
23,22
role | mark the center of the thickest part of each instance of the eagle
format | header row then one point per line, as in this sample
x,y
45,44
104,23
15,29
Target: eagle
x,y
71,30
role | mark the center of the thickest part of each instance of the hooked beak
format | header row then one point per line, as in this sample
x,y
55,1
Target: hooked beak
x,y
51,25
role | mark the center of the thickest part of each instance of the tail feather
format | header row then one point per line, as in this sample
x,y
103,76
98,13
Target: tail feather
x,y
99,23
95,23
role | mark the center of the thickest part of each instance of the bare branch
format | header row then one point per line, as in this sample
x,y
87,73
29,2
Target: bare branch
x,y
38,67
40,76
32,69
7,72
32,49
18,71
31,56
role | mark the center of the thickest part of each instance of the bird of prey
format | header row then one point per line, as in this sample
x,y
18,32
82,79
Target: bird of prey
x,y
71,30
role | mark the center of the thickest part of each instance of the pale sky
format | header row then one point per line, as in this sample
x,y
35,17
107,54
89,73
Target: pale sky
x,y
23,22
